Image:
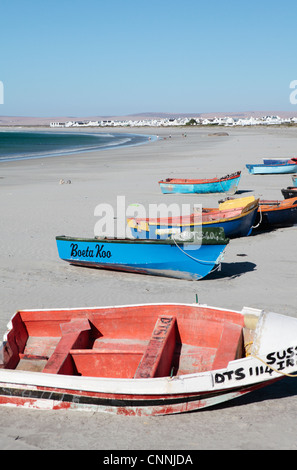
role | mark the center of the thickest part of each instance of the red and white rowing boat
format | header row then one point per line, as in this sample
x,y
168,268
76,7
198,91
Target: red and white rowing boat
x,y
151,359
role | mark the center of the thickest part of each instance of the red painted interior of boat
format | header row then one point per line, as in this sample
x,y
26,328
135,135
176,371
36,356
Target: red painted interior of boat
x,y
124,342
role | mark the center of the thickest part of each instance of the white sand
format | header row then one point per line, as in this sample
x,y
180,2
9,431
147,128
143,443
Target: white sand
x,y
258,271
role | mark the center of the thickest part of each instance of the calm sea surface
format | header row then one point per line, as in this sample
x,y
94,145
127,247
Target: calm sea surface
x,y
19,145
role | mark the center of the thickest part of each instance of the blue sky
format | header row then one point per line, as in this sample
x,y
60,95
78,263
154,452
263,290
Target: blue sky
x,y
119,57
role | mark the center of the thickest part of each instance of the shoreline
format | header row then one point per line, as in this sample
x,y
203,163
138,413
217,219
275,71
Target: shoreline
x,y
257,271
63,152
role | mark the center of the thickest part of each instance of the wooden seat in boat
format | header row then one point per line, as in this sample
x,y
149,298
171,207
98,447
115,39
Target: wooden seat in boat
x,y
157,359
130,358
75,334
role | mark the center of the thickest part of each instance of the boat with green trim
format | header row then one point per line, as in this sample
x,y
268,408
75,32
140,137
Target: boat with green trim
x,y
189,255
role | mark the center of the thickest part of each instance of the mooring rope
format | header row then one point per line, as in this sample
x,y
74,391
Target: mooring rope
x,y
195,259
256,226
215,268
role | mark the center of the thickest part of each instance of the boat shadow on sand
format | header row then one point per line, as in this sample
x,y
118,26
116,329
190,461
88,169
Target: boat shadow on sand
x,y
228,270
242,191
231,270
266,230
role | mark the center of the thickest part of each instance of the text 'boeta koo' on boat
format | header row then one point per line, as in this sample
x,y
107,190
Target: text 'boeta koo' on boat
x,y
289,166
226,184
236,217
142,360
191,255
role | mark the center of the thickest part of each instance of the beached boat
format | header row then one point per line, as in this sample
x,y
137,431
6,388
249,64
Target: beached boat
x,y
294,179
269,161
190,255
289,192
273,168
226,184
277,213
142,360
236,219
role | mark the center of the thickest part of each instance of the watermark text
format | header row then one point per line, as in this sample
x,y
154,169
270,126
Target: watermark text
x,y
158,221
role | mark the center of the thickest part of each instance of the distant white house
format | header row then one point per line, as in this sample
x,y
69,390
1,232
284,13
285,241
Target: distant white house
x,y
272,120
57,124
247,122
229,121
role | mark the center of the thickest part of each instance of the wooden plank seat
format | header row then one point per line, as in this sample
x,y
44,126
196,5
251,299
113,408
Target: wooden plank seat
x,y
109,358
36,353
75,334
157,359
130,358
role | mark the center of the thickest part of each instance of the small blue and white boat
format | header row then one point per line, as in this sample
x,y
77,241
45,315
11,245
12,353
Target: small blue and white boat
x,y
226,184
191,255
274,161
273,168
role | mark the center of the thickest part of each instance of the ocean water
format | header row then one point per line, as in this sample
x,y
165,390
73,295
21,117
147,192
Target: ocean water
x,y
20,145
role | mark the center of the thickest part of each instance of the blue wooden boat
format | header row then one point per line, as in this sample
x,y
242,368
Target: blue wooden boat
x,y
274,214
278,161
236,217
294,179
188,256
226,184
273,168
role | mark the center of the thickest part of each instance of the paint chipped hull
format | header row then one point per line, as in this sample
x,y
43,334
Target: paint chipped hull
x,y
50,398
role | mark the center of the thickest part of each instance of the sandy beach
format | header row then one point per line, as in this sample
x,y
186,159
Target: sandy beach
x,y
257,271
